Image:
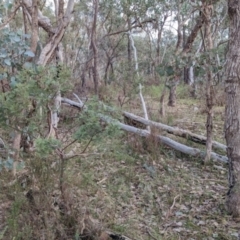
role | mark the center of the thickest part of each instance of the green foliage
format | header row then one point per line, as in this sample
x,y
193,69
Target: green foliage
x,y
183,92
2,233
4,6
14,52
166,71
25,105
45,147
154,91
8,164
92,127
13,223
172,67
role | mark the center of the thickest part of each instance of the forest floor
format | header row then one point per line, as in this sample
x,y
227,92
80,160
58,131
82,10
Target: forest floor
x,y
145,191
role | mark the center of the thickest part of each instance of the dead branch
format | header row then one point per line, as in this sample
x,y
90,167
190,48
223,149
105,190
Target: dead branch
x,y
132,27
144,106
195,152
176,131
78,105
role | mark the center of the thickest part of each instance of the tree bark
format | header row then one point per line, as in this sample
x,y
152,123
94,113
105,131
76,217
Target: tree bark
x,y
179,29
172,85
129,67
172,95
232,114
95,49
207,13
34,27
162,104
193,34
159,38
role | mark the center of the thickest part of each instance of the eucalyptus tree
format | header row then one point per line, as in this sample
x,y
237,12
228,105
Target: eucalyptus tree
x,y
232,114
33,19
208,10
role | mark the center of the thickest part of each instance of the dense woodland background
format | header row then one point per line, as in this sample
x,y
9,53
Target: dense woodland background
x,y
112,119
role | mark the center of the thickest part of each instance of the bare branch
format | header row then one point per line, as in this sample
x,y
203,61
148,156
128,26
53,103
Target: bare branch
x,y
49,49
144,106
132,27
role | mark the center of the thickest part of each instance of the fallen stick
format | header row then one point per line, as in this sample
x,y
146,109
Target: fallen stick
x,y
144,106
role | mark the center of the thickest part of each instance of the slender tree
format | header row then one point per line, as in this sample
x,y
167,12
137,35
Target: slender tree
x,y
208,44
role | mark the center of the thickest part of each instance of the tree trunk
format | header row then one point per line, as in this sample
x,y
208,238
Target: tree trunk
x,y
129,67
129,46
95,49
158,59
232,114
179,29
173,91
162,104
134,52
52,47
207,11
34,27
172,95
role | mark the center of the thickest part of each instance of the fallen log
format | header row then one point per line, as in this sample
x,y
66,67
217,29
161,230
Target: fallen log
x,y
176,131
79,105
195,152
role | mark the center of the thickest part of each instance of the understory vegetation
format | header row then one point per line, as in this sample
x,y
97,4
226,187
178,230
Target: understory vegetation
x,y
117,181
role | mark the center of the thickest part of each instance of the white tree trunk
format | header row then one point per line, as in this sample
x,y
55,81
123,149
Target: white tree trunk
x,y
134,52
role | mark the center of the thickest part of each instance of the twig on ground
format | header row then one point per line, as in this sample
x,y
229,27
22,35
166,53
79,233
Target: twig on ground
x,y
150,234
171,208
